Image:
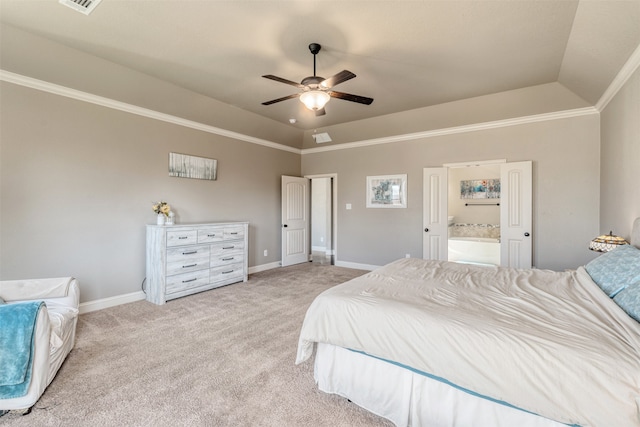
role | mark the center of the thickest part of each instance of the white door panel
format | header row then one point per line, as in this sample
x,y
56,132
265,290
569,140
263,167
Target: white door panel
x,y
435,227
295,220
516,214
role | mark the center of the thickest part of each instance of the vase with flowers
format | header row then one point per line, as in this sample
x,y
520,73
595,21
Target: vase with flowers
x,y
162,209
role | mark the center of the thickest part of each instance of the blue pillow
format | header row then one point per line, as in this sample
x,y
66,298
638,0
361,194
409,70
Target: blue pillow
x,y
629,300
615,270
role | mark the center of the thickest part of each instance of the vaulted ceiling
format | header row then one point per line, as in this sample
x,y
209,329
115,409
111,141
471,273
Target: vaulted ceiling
x,y
406,54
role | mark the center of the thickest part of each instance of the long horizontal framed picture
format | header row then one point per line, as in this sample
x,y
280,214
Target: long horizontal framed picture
x,y
480,189
387,191
186,166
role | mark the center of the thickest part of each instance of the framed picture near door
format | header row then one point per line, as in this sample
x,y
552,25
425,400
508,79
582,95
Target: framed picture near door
x,y
387,191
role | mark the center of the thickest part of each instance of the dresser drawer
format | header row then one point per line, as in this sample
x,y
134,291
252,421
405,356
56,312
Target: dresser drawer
x,y
225,248
209,235
177,238
181,282
187,258
226,259
187,253
227,272
233,233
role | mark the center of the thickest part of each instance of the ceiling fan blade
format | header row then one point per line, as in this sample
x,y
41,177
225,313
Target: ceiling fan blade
x,y
341,77
284,98
320,112
349,97
281,80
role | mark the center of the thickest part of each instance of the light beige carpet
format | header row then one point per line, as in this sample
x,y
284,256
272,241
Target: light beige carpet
x,y
224,357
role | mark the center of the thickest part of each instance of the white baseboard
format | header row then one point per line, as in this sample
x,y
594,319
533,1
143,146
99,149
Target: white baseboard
x,y
327,251
100,304
264,267
356,265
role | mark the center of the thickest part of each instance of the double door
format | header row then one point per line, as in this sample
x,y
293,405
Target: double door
x,y
515,214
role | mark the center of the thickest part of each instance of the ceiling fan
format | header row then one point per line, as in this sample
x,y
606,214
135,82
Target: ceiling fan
x,y
316,90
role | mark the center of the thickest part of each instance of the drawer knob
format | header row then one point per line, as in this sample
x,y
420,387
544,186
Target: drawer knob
x,y
189,253
227,259
227,272
228,247
189,266
190,280
183,237
211,235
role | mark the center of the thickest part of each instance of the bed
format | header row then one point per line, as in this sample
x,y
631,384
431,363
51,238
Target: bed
x,y
432,343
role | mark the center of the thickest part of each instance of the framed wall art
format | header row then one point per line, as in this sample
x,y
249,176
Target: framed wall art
x,y
480,189
387,191
186,166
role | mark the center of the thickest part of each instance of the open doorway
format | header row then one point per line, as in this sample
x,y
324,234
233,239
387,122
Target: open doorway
x,y
323,219
474,214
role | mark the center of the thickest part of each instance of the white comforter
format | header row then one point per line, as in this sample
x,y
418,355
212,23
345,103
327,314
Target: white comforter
x,y
548,342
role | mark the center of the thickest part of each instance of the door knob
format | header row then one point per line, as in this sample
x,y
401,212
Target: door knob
x,y
285,225
526,234
426,230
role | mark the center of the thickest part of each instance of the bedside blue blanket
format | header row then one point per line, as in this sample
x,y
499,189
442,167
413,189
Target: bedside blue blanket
x,y
17,334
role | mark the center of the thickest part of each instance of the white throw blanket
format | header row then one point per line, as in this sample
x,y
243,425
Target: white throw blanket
x,y
548,342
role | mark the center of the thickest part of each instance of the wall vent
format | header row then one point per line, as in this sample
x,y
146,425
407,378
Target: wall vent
x,y
82,6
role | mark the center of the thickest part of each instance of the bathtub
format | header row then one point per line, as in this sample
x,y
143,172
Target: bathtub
x,y
474,250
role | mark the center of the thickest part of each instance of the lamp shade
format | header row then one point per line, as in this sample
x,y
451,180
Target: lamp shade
x,y
606,242
315,99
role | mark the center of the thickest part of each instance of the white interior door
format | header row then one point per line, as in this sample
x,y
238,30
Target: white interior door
x,y
295,220
434,212
516,214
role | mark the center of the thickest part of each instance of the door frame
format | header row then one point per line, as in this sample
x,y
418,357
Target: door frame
x,y
334,210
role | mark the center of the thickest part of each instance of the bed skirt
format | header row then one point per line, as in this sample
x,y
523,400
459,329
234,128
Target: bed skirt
x,y
408,398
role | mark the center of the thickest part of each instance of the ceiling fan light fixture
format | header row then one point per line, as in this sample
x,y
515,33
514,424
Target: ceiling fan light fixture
x,y
315,99
316,90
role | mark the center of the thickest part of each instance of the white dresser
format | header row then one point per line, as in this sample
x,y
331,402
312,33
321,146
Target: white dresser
x,y
185,259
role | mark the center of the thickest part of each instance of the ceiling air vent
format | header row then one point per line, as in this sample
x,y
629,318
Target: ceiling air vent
x,y
82,6
319,138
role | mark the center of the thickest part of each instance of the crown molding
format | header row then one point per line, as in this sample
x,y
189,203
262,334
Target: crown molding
x,y
457,129
621,78
44,86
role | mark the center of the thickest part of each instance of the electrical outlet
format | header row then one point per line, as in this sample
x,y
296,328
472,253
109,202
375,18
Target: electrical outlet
x,y
266,252
407,256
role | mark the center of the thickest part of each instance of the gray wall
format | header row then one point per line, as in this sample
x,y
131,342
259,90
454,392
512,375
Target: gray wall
x,y
77,183
565,155
620,172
